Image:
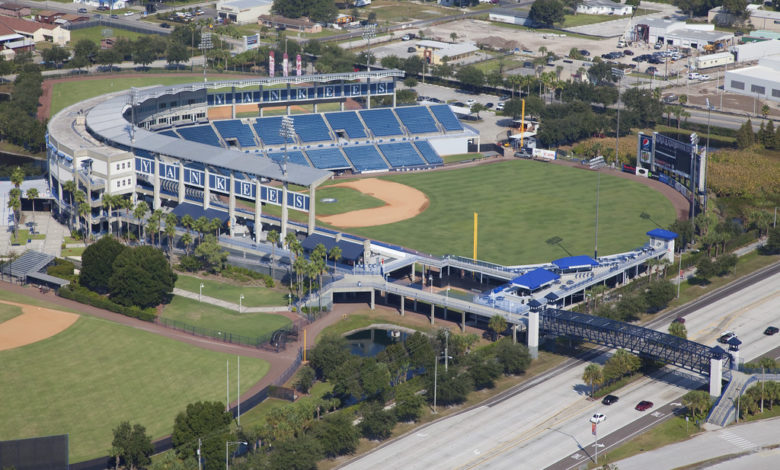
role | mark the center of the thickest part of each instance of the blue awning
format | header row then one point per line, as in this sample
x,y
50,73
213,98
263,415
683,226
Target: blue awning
x,y
196,212
662,234
349,251
574,262
535,279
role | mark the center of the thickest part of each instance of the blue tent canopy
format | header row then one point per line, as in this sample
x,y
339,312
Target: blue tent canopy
x,y
662,234
573,262
535,279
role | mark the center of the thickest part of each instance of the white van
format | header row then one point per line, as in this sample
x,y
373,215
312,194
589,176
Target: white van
x,y
693,76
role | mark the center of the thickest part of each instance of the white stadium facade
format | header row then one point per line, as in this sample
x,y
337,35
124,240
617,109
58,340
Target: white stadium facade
x,y
183,148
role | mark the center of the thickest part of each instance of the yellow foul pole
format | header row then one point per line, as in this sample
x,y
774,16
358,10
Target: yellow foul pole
x,y
476,224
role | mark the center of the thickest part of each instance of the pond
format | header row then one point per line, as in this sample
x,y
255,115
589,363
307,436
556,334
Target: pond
x,y
32,166
370,342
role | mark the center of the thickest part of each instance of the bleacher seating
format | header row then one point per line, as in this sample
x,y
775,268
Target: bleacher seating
x,y
203,134
170,133
365,158
446,117
382,122
428,153
401,154
293,156
311,128
268,130
347,121
417,119
235,129
327,159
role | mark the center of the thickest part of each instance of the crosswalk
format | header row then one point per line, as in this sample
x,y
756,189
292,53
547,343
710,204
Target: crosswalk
x,y
737,441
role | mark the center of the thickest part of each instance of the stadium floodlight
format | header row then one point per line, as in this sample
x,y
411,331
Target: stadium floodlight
x,y
287,131
205,45
619,74
369,32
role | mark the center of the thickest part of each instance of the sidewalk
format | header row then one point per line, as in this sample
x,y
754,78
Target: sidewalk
x,y
230,305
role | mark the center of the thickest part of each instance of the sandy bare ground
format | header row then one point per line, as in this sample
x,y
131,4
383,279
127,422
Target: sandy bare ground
x,y
401,202
33,325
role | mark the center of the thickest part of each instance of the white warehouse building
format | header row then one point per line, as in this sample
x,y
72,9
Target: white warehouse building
x,y
243,11
761,81
680,34
604,7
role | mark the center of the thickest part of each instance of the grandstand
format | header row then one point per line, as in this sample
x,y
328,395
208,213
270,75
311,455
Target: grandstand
x,y
401,155
293,156
235,129
417,119
428,153
311,128
381,122
328,159
202,134
446,117
268,130
347,121
365,158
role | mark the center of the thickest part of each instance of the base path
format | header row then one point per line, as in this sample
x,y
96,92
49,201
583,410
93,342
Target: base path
x,y
33,325
401,202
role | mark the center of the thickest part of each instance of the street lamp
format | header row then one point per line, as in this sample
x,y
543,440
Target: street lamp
x,y
430,282
436,377
227,445
200,292
240,299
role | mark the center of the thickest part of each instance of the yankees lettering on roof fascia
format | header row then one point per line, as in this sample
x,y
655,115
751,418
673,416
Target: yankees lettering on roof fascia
x,y
302,95
145,166
381,88
245,188
273,95
194,177
299,202
355,90
220,183
328,91
171,172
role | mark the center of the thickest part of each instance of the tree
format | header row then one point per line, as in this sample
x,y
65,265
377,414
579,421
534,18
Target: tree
x,y
705,268
55,54
306,376
86,210
170,229
452,387
139,212
32,195
301,453
142,277
377,424
621,363
70,187
420,351
108,57
678,329
204,421
132,445
329,353
484,369
335,255
97,263
410,82
773,242
109,202
176,53
698,403
658,295
497,324
408,404
547,12
86,49
471,77
738,8
514,357
745,136
186,240
336,435
211,254
594,376
476,108
273,238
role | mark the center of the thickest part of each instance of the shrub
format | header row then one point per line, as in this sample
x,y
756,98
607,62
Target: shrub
x,y
61,268
189,263
86,296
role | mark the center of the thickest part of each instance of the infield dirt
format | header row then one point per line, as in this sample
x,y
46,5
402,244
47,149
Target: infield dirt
x,y
33,325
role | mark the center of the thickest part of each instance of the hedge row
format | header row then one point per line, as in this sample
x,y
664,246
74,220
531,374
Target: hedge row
x,y
86,296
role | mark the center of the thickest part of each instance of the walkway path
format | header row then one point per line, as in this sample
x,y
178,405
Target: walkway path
x,y
233,306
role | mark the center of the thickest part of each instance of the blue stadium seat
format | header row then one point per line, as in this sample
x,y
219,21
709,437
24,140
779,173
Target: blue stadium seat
x,y
446,117
235,129
293,156
428,153
401,154
382,122
170,133
327,159
202,134
365,158
417,119
311,128
347,121
268,130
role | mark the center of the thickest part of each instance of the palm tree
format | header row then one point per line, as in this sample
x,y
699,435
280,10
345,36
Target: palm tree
x,y
497,324
187,222
17,177
273,239
186,240
32,194
127,205
109,202
515,81
170,229
156,217
317,257
152,227
80,198
215,225
201,226
335,255
70,187
15,204
593,375
139,212
84,211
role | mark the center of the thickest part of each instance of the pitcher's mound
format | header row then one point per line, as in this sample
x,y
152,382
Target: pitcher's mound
x,y
33,325
401,202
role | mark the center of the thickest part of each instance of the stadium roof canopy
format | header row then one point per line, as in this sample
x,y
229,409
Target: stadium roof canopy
x,y
535,279
349,251
662,234
574,262
196,211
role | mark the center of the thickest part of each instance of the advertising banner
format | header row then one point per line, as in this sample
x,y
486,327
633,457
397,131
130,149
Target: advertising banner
x,y
544,154
298,65
271,64
285,64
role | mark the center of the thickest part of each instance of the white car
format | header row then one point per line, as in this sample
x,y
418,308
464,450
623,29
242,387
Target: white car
x,y
693,76
470,102
500,107
704,77
406,37
597,418
128,13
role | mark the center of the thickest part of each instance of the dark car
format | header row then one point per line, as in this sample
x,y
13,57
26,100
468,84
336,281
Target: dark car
x,y
114,17
726,337
584,52
771,330
672,99
488,105
644,405
165,25
411,49
82,10
609,399
628,52
651,71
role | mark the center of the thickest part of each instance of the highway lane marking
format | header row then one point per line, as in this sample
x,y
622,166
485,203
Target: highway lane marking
x,y
704,333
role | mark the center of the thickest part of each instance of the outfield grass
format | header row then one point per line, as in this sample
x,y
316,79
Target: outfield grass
x,y
521,204
8,312
254,296
345,198
87,379
95,34
70,92
205,315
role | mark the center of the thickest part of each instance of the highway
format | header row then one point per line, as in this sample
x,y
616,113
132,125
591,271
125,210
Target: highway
x,y
541,423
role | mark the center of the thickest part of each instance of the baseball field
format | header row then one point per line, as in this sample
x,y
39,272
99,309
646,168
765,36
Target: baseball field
x,y
86,379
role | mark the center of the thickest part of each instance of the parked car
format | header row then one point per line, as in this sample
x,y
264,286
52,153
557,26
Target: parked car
x,y
658,45
693,76
704,77
771,330
488,105
165,25
597,418
411,49
678,319
726,336
82,10
609,399
628,52
129,13
406,37
500,107
651,71
584,52
644,405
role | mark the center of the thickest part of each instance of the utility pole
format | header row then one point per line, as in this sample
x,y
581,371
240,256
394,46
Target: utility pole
x,y
446,346
200,464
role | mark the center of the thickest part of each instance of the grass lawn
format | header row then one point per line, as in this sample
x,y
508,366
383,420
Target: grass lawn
x,y
66,93
8,312
254,295
397,11
95,34
204,315
490,65
570,21
256,416
87,379
78,251
531,195
670,431
461,157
